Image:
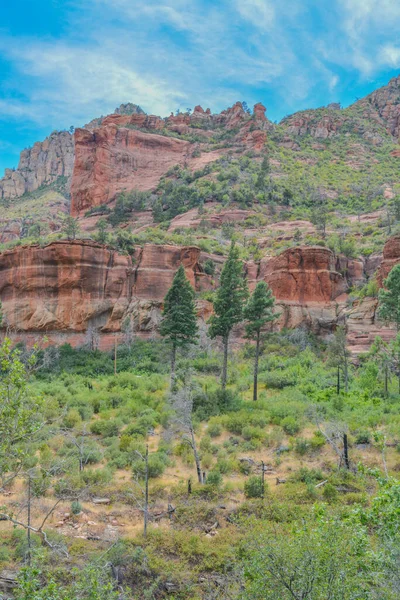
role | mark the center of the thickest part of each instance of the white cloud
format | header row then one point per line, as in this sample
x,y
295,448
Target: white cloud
x,y
75,82
260,13
389,54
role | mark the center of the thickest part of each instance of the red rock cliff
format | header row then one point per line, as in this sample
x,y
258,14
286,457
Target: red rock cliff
x,y
110,159
67,286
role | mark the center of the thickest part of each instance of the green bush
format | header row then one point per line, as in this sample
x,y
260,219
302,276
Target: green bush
x,y
76,507
214,479
290,425
253,487
329,492
214,430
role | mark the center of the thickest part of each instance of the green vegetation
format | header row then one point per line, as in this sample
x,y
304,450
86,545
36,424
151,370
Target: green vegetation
x,y
228,304
179,324
325,527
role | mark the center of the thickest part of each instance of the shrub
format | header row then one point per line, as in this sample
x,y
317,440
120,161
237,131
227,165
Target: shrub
x,y
278,381
317,441
290,425
209,267
108,428
214,430
301,446
253,487
72,419
363,437
329,492
214,479
76,507
215,403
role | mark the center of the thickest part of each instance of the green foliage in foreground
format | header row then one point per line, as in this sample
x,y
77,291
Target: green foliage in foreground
x,y
99,422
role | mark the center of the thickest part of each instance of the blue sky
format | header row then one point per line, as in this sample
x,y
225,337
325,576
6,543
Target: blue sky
x,y
63,62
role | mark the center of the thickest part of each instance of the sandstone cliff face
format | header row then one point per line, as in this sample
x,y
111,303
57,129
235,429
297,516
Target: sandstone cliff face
x,y
117,156
110,159
40,165
391,257
303,274
68,286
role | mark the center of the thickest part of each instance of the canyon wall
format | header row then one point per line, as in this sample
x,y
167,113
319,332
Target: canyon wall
x,y
66,288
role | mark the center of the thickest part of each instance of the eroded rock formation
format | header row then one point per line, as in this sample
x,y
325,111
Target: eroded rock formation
x,y
110,159
69,286
40,165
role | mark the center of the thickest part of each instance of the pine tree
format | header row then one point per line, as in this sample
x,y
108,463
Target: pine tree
x,y
258,312
179,324
71,227
339,356
389,298
228,305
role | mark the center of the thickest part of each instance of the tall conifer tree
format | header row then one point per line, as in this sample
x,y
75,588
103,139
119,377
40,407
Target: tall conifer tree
x,y
229,302
389,298
258,312
179,324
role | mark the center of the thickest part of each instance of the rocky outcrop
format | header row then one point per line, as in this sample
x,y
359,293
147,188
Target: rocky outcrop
x,y
383,106
66,288
303,274
391,257
111,159
40,165
70,286
311,123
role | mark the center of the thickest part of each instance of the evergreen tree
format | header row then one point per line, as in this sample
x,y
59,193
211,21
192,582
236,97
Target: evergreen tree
x,y
71,227
262,174
179,324
101,234
383,355
258,312
339,356
389,298
228,305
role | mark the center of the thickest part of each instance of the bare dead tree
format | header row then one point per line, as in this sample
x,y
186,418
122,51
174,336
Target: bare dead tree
x,y
142,501
182,422
26,508
92,338
335,434
78,440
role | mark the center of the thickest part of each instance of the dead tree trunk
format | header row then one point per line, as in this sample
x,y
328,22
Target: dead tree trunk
x,y
224,375
173,366
146,493
196,456
346,451
255,383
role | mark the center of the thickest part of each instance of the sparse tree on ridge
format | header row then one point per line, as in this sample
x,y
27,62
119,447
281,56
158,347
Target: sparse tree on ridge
x,y
228,305
258,312
179,324
70,227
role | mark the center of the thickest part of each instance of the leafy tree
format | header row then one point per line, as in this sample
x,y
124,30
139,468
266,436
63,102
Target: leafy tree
x,y
320,212
101,234
71,227
339,356
179,324
20,414
321,558
389,298
258,312
228,304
